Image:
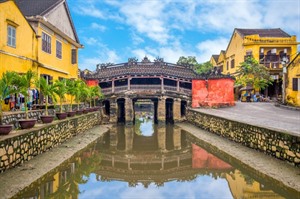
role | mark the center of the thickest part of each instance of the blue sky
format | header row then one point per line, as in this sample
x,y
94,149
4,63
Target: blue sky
x,y
115,30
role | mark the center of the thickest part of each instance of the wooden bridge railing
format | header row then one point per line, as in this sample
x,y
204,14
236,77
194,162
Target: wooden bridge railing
x,y
144,87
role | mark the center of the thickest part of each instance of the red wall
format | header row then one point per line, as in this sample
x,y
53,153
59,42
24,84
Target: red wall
x,y
203,159
92,82
212,92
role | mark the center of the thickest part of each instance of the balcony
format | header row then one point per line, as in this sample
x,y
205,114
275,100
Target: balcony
x,y
271,61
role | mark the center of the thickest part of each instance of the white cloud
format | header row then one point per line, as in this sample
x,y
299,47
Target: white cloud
x,y
136,39
102,55
146,17
209,47
98,27
89,10
89,41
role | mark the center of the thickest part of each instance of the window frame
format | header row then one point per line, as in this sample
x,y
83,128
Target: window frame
x,y
11,39
46,43
58,49
232,63
73,56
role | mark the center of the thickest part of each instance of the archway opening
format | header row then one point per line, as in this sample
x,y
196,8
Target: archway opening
x,y
169,110
121,110
106,107
183,105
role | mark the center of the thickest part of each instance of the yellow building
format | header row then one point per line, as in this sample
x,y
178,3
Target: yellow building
x,y
17,40
293,82
57,42
268,46
38,35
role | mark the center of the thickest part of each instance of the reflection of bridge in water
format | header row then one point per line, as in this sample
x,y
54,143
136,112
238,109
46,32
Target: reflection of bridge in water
x,y
165,156
170,154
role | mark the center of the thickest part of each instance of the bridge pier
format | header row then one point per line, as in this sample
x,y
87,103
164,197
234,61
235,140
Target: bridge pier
x,y
129,139
161,137
177,138
129,112
177,110
113,117
161,110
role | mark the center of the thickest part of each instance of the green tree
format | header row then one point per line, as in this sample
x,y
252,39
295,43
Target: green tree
x,y
203,68
6,88
251,73
48,90
96,93
60,91
190,60
71,90
23,83
79,89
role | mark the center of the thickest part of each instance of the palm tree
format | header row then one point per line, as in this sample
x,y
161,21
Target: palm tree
x,y
79,85
23,83
60,90
6,88
48,90
71,90
96,93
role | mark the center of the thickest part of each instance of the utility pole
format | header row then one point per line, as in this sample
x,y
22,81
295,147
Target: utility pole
x,y
284,71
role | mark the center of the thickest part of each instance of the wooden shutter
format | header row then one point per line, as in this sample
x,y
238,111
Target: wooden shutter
x,y
74,56
295,84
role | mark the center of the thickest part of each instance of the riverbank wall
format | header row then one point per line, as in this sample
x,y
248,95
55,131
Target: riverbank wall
x,y
277,143
23,145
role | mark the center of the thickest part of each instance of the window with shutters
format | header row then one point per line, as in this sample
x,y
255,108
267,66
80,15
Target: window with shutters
x,y
74,56
11,36
232,63
46,43
58,49
296,84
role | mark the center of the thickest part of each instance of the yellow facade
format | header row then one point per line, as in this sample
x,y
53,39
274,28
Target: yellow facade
x,y
22,56
28,50
293,82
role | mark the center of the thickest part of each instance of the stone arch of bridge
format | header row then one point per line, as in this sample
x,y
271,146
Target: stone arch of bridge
x,y
166,108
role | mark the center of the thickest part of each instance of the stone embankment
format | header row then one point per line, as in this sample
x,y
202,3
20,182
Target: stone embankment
x,y
23,145
277,143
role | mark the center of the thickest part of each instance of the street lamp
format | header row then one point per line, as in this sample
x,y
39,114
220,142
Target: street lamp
x,y
284,61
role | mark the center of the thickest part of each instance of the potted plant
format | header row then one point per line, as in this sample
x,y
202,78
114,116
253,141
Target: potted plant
x,y
23,84
71,90
6,88
47,90
60,90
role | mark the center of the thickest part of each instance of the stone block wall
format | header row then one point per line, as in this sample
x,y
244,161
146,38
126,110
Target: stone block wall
x,y
25,144
281,145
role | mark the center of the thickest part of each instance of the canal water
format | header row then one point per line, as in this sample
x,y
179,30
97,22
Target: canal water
x,y
150,161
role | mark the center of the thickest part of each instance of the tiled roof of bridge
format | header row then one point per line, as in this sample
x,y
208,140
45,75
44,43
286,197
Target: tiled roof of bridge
x,y
144,68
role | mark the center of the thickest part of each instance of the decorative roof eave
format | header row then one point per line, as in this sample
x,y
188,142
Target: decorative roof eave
x,y
40,19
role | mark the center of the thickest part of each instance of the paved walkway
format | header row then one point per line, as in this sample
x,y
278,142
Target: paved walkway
x,y
260,114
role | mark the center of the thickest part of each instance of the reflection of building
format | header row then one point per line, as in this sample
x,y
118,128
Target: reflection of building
x,y
242,186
